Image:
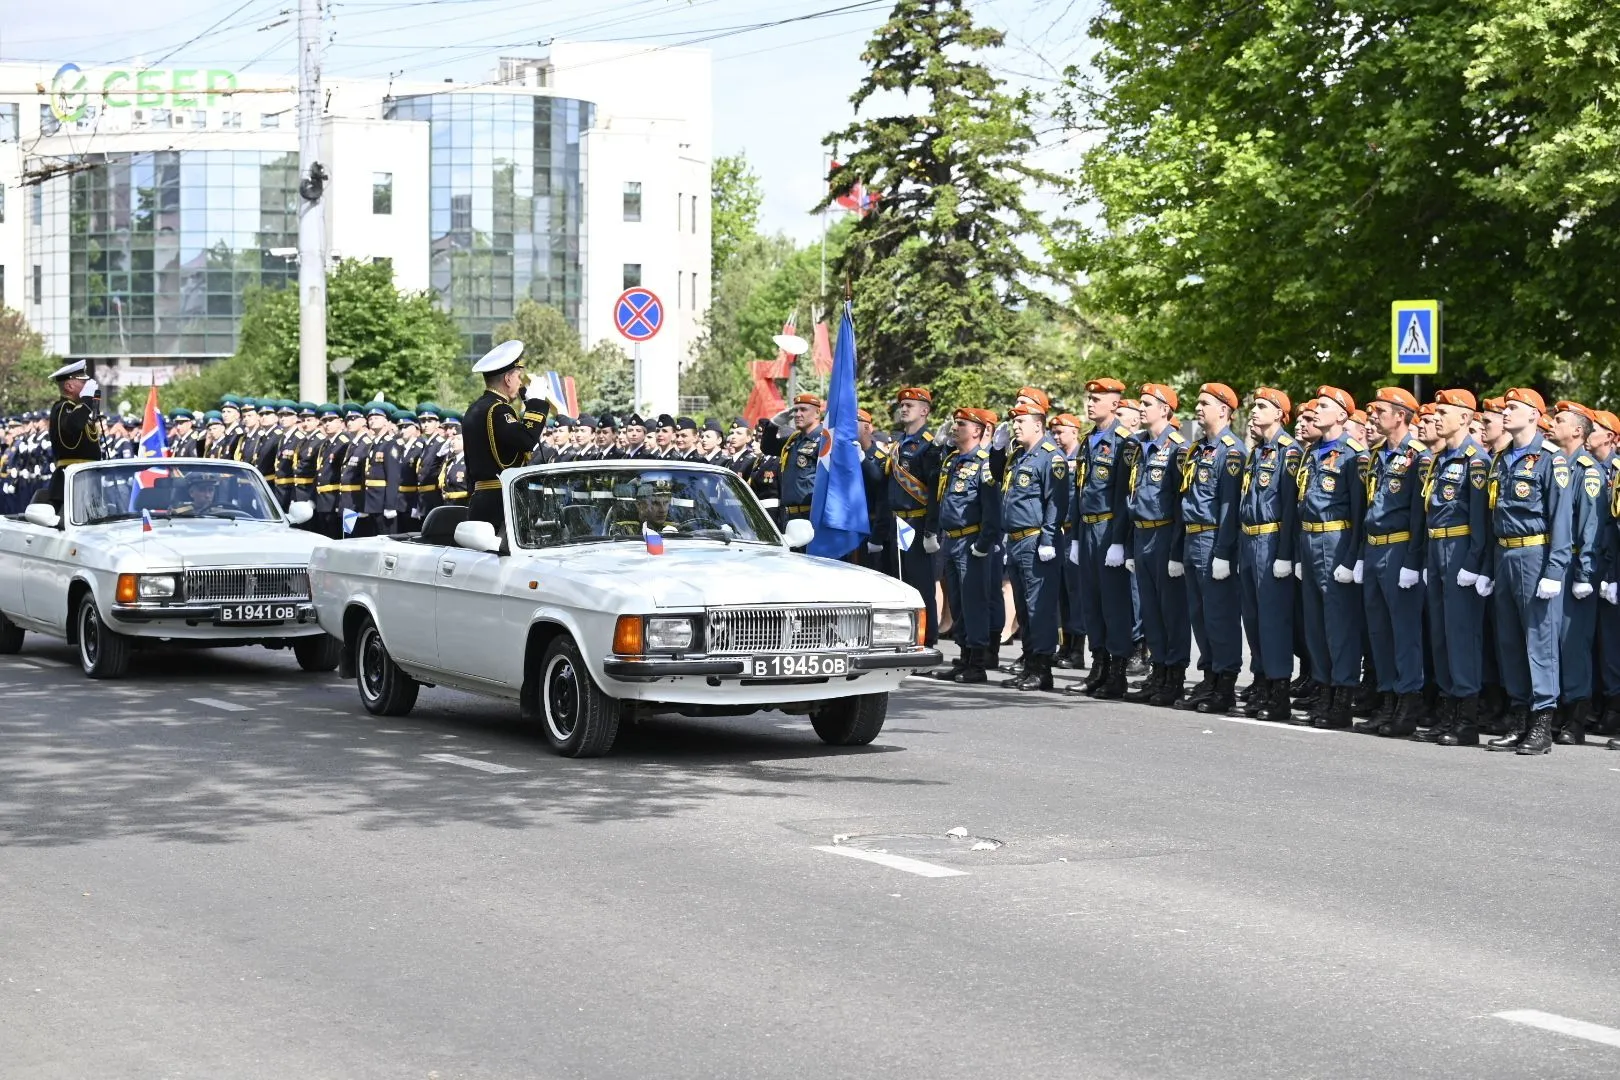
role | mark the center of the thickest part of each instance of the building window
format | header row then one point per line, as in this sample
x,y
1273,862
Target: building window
x,y
694,290
382,193
694,214
231,120
632,275
680,209
269,120
37,205
199,118
8,122
39,281
162,118
680,286
48,123
632,200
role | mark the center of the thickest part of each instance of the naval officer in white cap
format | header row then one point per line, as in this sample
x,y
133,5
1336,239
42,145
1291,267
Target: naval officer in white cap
x,y
74,426
500,430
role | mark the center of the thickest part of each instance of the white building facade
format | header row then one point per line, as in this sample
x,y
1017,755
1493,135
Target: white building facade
x,y
137,207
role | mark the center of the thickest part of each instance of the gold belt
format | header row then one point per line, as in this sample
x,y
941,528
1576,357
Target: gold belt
x,y
64,462
1380,539
487,485
1324,526
1152,524
1262,530
909,515
1449,533
1534,540
1096,519
966,530
1023,534
327,489
350,487
1194,529
455,494
797,509
376,483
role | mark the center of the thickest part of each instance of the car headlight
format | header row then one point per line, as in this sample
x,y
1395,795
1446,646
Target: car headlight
x,y
156,586
892,629
669,635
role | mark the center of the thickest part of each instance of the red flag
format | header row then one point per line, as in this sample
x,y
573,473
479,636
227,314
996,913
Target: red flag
x,y
858,200
821,351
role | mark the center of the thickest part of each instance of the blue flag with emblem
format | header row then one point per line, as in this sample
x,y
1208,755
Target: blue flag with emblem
x,y
838,507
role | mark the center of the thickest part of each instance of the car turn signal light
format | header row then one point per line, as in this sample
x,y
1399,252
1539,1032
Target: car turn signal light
x,y
922,626
127,590
627,636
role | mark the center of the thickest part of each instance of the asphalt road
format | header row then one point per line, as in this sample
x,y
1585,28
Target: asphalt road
x,y
222,867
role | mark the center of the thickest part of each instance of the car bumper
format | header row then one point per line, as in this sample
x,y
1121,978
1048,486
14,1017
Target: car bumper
x,y
723,680
200,621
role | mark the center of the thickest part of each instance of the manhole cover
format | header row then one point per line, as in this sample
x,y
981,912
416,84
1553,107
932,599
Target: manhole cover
x,y
918,845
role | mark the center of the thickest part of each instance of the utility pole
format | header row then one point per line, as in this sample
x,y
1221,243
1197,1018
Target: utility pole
x,y
311,209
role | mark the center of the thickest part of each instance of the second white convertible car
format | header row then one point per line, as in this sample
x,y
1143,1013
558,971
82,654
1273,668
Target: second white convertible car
x,y
621,589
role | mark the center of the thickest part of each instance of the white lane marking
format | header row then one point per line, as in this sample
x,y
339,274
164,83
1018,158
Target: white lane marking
x,y
471,763
794,727
895,862
1563,1025
1274,725
215,703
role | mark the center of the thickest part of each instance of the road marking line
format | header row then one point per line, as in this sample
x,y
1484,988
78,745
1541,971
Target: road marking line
x,y
471,763
215,703
45,662
1563,1025
895,862
1275,725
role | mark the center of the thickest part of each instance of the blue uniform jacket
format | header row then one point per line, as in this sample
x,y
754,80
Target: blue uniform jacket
x,y
968,497
1211,481
798,460
1102,472
1332,489
1035,495
1395,496
1529,495
1269,490
1587,495
912,466
1153,487
1454,498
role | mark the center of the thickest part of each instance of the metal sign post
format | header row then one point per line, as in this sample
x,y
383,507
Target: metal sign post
x,y
638,315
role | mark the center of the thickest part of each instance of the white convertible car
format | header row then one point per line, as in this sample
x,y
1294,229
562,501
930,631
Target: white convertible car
x,y
622,589
175,551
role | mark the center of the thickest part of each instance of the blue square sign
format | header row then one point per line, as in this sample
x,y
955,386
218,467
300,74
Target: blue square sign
x,y
1415,337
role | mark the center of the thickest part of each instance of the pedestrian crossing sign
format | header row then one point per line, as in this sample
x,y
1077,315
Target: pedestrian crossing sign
x,y
1415,337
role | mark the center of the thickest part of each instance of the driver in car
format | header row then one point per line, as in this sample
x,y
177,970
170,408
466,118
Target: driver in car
x,y
200,490
652,509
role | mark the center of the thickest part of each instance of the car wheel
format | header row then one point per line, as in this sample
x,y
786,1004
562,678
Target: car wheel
x,y
851,721
103,653
577,718
11,636
319,653
385,690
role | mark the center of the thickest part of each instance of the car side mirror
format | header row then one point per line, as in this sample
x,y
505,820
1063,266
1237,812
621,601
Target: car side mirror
x,y
300,512
42,514
798,533
477,536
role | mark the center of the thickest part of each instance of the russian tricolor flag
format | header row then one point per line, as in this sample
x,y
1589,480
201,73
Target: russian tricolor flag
x,y
655,539
153,443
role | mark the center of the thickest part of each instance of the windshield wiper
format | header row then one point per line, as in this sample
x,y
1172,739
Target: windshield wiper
x,y
710,534
115,517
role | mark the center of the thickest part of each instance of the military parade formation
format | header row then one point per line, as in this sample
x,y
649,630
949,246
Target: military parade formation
x,y
1444,571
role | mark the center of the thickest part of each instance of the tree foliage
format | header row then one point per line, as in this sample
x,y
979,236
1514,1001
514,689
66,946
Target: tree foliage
x,y
944,262
25,365
1270,176
550,344
735,196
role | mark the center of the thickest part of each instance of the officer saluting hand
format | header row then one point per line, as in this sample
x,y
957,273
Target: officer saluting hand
x,y
500,431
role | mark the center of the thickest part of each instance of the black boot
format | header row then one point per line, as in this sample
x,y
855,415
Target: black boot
x,y
1150,686
1445,714
992,657
1382,712
1114,687
1572,732
958,666
1278,708
1016,667
1464,728
1201,690
1338,712
1222,699
1301,685
1137,665
1408,707
1614,744
1319,707
1171,687
1365,700
1493,707
974,670
1098,673
1037,674
1062,659
1077,652
1255,697
1538,740
1518,723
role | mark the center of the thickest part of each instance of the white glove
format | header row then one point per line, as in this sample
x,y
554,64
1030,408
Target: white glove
x,y
1425,576
1175,569
390,514
1611,592
1219,569
1581,590
1343,575
1130,566
930,543
1484,586
1547,588
1355,575
1281,568
874,549
1299,571
973,549
1046,552
1115,555
1074,552
1002,438
1409,578
1466,580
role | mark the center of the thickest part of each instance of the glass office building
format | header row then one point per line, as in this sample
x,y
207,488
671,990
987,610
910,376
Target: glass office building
x,y
161,246
507,207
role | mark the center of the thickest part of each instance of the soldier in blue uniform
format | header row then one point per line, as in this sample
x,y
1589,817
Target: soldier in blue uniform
x,y
1601,446
1035,492
1454,520
1211,482
796,455
1064,430
1332,497
1153,500
912,466
1267,506
1572,426
1390,564
970,523
1102,527
1529,497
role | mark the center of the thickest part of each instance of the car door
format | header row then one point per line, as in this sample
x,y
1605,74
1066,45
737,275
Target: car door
x,y
14,552
406,584
47,572
474,635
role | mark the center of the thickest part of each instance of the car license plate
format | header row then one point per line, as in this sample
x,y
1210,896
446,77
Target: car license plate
x,y
799,666
247,614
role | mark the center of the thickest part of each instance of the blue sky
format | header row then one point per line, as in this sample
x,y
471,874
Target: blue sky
x,y
777,91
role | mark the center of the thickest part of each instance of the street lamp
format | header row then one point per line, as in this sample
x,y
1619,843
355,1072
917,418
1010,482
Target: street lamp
x,y
338,366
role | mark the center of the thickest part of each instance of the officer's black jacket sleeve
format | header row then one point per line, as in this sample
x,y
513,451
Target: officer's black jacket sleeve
x,y
393,499
511,434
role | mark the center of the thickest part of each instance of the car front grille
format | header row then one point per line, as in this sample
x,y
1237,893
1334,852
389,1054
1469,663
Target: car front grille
x,y
808,628
255,583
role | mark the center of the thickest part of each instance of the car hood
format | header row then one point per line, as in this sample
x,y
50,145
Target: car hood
x,y
693,574
192,545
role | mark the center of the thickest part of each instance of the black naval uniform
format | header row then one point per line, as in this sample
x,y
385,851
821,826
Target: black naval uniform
x,y
497,434
75,434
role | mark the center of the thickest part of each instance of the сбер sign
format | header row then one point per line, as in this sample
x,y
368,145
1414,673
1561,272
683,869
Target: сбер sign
x,y
148,88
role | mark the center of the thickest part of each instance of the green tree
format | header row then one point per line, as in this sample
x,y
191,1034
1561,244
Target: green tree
x,y
1269,176
616,391
735,195
942,264
25,365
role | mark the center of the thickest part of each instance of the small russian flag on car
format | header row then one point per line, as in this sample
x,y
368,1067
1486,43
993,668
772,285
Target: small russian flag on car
x,y
146,521
655,539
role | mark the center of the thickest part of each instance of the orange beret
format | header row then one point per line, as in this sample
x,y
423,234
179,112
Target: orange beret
x,y
1526,396
1175,422
1026,408
1037,395
1359,417
1163,393
1105,386
1544,422
1131,403
982,417
1428,409
1492,404
1395,395
808,399
1220,392
1463,399
1608,421
1064,420
863,416
914,393
988,417
1338,397
1577,408
1277,398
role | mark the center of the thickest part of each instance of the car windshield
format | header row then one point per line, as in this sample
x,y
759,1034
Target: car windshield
x,y
122,491
623,503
